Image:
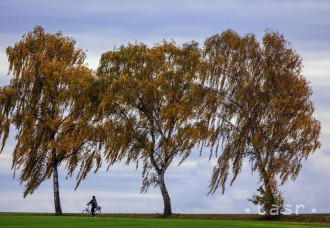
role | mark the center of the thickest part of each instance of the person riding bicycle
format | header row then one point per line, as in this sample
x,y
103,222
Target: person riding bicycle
x,y
93,202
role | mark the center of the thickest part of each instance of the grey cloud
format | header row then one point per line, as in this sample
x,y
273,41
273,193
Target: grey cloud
x,y
308,19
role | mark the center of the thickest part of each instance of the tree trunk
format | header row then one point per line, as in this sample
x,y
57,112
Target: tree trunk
x,y
166,197
274,202
58,209
269,202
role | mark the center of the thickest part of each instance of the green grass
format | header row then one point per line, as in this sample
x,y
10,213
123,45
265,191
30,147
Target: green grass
x,y
65,221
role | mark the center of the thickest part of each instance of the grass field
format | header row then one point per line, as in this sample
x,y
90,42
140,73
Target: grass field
x,y
70,221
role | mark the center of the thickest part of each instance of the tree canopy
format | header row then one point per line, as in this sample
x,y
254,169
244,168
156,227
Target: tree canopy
x,y
240,98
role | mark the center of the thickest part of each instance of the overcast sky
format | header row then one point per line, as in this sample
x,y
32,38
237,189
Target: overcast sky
x,y
100,25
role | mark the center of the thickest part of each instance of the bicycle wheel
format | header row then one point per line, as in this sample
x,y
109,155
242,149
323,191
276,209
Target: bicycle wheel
x,y
85,213
97,213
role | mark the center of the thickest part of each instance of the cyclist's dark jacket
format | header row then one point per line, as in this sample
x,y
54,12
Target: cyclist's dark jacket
x,y
93,202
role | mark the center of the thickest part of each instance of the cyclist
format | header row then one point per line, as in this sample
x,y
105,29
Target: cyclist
x,y
93,202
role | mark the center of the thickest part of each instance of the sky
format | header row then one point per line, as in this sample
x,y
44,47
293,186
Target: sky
x,y
100,25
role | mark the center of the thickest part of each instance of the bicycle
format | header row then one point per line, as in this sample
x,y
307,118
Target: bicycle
x,y
88,213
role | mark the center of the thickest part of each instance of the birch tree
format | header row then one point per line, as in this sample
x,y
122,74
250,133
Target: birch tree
x,y
44,104
265,112
154,108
